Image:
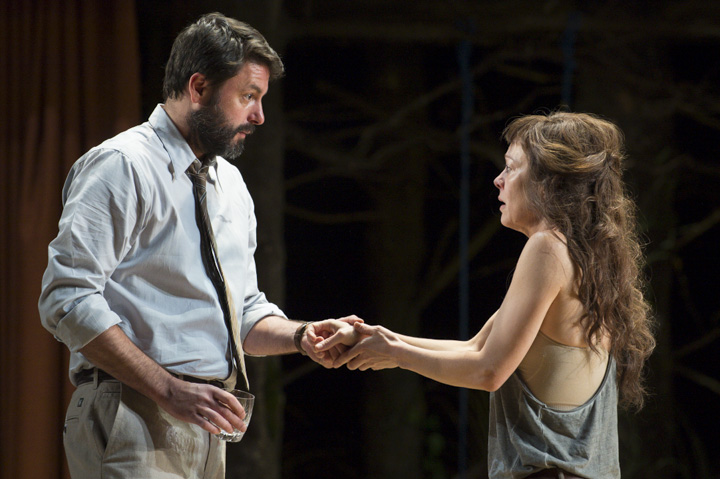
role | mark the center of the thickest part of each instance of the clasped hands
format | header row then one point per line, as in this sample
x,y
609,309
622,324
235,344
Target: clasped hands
x,y
349,341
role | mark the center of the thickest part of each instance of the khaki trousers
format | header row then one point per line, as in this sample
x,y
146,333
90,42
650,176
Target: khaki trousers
x,y
113,432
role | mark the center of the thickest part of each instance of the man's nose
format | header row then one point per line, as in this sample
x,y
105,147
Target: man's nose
x,y
257,117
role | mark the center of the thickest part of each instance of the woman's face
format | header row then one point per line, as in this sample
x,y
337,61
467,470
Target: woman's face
x,y
515,209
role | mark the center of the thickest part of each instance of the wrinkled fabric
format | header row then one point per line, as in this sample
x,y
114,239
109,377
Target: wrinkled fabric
x,y
114,432
527,436
128,253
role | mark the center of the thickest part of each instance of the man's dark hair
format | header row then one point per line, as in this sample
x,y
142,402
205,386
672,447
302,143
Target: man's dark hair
x,y
218,47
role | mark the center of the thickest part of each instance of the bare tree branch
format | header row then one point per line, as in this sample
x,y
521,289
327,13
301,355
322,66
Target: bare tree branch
x,y
701,168
692,231
494,28
435,285
702,379
441,247
317,175
699,114
700,343
682,236
331,218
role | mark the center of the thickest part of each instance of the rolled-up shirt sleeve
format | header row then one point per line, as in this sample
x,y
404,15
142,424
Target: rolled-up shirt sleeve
x,y
98,225
128,253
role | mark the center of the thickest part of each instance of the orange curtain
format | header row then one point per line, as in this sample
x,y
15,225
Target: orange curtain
x,y
69,78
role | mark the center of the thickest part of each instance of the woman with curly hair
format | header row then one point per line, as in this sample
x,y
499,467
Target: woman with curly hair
x,y
573,332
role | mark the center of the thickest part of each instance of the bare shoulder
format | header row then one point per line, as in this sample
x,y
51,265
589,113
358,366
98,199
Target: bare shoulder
x,y
547,242
548,250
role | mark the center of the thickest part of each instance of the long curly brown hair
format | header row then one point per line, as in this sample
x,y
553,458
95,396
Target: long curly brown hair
x,y
575,183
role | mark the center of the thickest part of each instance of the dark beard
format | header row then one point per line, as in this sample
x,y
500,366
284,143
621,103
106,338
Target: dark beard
x,y
211,134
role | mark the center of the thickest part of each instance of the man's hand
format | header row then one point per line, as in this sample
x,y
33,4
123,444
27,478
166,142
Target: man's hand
x,y
377,349
209,407
114,353
341,331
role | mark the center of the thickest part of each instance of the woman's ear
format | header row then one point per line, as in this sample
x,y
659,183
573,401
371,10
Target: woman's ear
x,y
542,192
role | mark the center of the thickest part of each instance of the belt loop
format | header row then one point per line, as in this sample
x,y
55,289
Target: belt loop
x,y
96,379
561,474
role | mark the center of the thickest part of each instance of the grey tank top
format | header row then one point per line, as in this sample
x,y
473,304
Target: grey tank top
x,y
527,436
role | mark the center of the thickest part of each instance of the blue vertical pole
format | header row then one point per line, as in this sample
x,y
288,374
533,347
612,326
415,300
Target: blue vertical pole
x,y
464,51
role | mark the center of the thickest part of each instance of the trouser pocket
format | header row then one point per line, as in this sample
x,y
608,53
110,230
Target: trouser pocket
x,y
88,424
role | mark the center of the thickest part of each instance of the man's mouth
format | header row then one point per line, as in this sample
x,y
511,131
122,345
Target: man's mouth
x,y
246,129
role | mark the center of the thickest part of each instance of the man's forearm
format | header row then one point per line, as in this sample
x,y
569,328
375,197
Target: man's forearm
x,y
270,336
114,353
201,404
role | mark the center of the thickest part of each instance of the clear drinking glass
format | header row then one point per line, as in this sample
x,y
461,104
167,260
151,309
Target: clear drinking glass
x,y
247,401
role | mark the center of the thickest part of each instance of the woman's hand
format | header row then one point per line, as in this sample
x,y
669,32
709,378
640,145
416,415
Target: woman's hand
x,y
336,335
377,349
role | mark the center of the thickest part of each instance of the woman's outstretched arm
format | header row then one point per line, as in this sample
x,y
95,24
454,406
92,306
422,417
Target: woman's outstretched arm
x,y
486,361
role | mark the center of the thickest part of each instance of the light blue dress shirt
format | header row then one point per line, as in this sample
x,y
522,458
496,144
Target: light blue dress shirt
x,y
128,253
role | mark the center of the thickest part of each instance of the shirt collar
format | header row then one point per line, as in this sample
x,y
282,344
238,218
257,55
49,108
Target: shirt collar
x,y
178,149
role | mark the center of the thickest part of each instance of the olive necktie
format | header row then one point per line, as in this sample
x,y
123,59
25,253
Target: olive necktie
x,y
197,172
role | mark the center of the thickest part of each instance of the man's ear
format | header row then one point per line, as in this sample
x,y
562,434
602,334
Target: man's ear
x,y
199,89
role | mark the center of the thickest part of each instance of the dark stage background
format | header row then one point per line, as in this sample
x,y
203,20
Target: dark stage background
x,y
357,180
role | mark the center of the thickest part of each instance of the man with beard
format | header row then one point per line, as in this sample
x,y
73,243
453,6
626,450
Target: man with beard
x,y
151,281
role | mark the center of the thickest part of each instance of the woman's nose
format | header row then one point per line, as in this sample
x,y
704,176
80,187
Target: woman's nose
x,y
498,181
